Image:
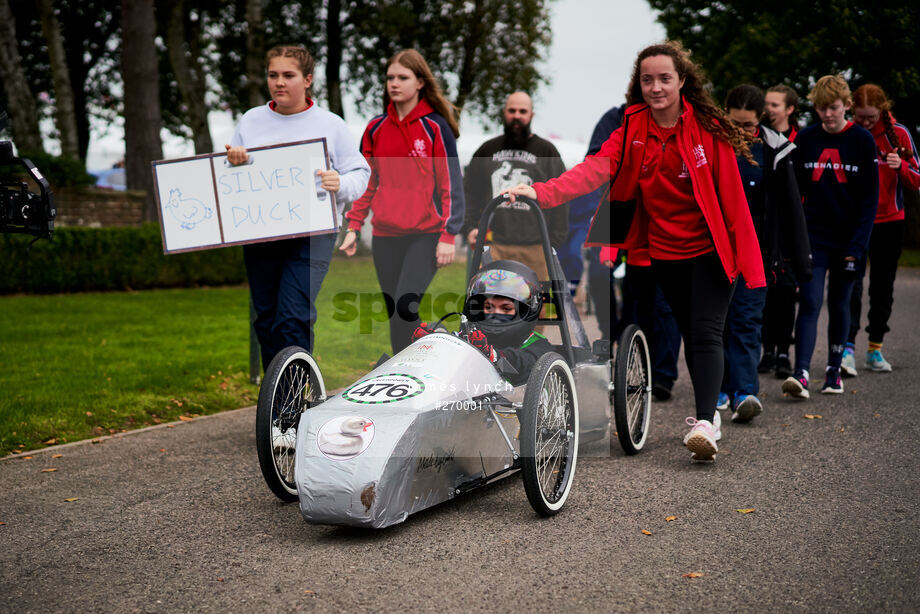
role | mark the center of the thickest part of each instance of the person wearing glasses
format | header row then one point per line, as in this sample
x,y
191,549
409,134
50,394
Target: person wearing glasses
x,y
776,210
897,171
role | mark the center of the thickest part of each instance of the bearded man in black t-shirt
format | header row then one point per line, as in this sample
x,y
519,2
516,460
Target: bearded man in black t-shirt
x,y
518,156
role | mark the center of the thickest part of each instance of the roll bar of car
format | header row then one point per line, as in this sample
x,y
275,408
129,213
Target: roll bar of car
x,y
557,283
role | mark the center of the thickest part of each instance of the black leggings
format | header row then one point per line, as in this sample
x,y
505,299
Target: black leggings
x,y
884,253
779,313
405,266
699,293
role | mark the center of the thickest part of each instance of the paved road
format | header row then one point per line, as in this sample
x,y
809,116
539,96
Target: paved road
x,y
178,519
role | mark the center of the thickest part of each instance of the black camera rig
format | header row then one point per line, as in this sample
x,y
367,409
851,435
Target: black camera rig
x,y
21,210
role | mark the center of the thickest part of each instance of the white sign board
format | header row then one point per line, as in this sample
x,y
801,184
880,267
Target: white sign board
x,y
204,202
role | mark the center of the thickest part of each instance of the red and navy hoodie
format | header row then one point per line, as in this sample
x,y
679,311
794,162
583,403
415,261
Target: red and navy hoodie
x,y
415,185
838,179
891,182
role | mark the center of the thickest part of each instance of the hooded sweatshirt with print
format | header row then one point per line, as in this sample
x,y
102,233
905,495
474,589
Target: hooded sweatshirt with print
x,y
415,186
838,178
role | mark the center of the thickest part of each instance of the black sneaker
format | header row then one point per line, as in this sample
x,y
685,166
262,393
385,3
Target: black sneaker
x,y
783,368
832,382
796,386
766,363
661,389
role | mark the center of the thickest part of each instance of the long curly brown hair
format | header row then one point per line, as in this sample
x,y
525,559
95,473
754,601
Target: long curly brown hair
x,y
871,95
710,116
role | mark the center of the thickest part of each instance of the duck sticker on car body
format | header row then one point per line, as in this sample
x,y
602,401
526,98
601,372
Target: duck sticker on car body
x,y
345,437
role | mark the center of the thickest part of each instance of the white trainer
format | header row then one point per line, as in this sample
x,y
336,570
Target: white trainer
x,y
877,362
701,440
848,363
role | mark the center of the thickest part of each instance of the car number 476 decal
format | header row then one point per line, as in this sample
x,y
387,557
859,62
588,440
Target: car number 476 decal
x,y
385,389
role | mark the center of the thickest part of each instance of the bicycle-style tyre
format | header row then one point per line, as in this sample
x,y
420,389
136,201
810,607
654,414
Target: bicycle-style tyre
x,y
632,389
293,384
549,434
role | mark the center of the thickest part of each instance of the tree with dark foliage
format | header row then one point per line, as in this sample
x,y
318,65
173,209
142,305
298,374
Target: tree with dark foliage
x,y
797,41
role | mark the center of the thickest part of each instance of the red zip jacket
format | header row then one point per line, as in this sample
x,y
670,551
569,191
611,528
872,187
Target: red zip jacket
x,y
415,184
621,220
892,183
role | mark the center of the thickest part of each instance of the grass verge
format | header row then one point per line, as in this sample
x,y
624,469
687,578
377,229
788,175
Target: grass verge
x,y
78,366
910,257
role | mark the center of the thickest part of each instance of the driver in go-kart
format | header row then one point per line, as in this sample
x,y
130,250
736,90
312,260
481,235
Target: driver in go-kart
x,y
503,303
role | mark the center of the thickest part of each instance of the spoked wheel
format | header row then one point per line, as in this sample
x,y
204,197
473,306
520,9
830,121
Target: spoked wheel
x,y
292,384
549,434
632,385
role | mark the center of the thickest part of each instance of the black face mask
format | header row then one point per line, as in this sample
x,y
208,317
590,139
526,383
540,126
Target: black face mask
x,y
498,317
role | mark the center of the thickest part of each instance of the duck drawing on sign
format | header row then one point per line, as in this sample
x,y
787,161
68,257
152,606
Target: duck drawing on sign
x,y
189,212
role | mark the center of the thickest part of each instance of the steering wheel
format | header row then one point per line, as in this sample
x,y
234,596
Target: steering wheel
x,y
465,325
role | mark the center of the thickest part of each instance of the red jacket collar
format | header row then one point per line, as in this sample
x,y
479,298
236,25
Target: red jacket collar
x,y
420,110
685,115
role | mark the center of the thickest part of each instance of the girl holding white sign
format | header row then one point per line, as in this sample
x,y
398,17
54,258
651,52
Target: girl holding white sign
x,y
415,191
285,276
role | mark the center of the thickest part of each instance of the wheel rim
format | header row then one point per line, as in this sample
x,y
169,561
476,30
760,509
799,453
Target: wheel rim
x,y
636,392
293,394
554,437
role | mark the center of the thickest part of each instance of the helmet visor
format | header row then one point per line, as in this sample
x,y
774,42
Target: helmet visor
x,y
504,283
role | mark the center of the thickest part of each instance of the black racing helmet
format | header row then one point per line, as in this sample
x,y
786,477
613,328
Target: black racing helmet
x,y
512,280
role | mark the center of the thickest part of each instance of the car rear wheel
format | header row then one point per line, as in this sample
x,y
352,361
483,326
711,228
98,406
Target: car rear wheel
x,y
549,434
632,387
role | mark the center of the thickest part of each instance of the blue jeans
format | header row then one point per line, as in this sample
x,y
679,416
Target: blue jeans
x,y
741,340
581,211
284,280
826,263
600,286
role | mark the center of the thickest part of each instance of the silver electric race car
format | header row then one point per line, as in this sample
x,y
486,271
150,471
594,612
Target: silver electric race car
x,y
439,419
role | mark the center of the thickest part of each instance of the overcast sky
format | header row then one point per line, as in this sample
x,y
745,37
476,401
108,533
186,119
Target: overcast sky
x,y
594,45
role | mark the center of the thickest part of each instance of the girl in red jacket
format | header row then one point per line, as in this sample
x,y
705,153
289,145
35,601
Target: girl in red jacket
x,y
415,190
675,191
898,170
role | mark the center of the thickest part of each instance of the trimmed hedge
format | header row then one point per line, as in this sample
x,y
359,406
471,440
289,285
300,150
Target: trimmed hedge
x,y
123,258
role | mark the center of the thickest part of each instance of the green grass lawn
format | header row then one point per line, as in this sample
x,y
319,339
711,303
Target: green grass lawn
x,y
910,257
78,366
